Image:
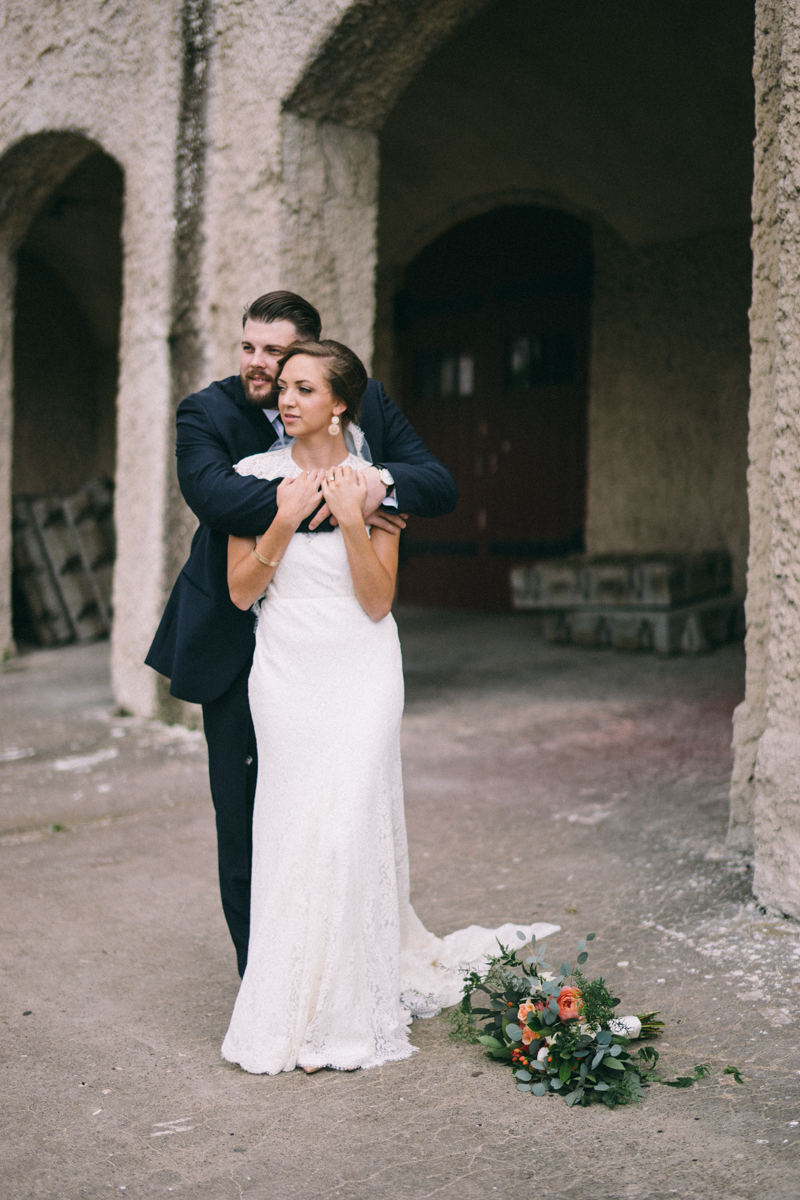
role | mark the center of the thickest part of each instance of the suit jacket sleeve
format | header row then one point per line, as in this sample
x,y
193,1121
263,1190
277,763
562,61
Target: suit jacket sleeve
x,y
218,497
424,486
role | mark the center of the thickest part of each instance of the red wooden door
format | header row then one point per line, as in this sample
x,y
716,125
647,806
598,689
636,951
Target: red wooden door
x,y
495,379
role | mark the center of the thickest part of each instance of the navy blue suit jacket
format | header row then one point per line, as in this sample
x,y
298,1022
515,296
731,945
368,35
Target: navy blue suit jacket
x,y
204,640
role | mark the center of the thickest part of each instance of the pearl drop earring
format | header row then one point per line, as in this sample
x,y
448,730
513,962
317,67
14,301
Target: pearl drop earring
x,y
333,428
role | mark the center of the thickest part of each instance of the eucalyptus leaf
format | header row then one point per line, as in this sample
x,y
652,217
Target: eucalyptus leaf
x,y
555,1084
521,935
604,1038
582,957
523,1087
514,1032
601,1087
552,1004
525,1076
574,1097
540,1089
612,1062
616,1051
590,937
598,1058
581,945
566,968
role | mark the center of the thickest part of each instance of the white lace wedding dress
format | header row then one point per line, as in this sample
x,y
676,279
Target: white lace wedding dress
x,y
338,960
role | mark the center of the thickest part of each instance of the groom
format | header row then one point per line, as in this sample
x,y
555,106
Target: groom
x,y
204,643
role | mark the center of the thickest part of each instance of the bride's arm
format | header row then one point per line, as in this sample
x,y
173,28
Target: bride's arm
x,y
248,575
373,561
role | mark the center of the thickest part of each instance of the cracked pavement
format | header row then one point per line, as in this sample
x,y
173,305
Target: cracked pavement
x,y
550,783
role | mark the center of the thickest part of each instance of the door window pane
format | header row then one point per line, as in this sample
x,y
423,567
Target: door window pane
x,y
444,373
541,359
466,374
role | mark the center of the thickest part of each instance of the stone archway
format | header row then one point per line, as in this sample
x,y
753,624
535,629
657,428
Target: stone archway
x,y
43,180
331,119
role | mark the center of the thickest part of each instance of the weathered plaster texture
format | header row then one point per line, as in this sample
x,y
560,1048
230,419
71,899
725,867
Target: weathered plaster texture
x,y
668,396
329,212
603,112
777,802
749,719
108,79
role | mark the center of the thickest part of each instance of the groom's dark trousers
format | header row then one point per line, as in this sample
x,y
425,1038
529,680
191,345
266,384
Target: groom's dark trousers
x,y
204,643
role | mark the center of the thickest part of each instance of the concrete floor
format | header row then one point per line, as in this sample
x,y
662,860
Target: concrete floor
x,y
550,783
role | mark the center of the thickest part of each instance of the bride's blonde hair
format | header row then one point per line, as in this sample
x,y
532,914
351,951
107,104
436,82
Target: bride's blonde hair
x,y
344,371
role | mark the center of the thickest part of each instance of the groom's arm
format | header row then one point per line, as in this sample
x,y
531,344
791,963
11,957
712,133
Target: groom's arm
x,y
218,497
423,485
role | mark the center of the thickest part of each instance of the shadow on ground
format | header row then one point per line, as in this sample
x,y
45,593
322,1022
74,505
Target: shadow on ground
x,y
543,783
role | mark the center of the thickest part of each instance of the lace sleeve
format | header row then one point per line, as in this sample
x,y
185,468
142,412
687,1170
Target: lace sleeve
x,y
271,465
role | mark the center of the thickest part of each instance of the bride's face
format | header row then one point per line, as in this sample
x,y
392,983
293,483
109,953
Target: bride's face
x,y
305,399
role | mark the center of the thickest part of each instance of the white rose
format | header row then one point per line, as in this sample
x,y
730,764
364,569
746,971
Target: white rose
x,y
626,1026
542,1055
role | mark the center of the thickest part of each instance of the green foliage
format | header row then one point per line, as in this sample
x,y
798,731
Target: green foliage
x,y
598,1003
686,1081
585,1061
463,1026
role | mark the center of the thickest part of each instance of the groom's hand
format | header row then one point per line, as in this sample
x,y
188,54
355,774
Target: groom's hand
x,y
392,522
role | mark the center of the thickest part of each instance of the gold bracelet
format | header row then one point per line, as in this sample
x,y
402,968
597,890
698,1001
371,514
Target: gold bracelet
x,y
268,562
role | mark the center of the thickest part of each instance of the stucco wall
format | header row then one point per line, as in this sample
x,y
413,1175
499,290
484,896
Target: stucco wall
x,y
777,800
604,112
669,396
111,76
750,717
229,192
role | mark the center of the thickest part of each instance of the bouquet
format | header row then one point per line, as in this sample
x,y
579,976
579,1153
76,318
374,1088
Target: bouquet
x,y
560,1032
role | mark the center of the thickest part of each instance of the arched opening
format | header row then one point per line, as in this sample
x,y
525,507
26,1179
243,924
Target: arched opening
x,y
492,325
67,304
640,121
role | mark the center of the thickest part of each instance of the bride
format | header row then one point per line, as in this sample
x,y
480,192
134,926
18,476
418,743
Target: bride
x,y
338,961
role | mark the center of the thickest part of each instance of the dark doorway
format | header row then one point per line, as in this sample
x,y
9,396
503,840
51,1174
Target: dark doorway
x,y
493,334
66,351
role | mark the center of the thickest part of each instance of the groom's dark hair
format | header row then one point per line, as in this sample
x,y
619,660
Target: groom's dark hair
x,y
286,306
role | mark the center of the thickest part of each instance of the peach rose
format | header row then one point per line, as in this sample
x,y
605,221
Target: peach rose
x,y
569,1003
528,1035
524,1010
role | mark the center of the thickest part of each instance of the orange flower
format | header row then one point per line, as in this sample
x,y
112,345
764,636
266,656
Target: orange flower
x,y
528,1035
524,1010
569,1003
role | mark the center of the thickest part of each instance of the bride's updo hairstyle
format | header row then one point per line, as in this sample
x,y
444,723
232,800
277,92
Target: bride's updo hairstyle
x,y
344,371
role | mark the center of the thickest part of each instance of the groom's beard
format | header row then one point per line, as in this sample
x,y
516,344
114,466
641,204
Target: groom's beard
x,y
255,390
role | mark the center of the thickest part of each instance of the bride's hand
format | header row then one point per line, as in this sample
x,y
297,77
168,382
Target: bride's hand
x,y
298,498
345,491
